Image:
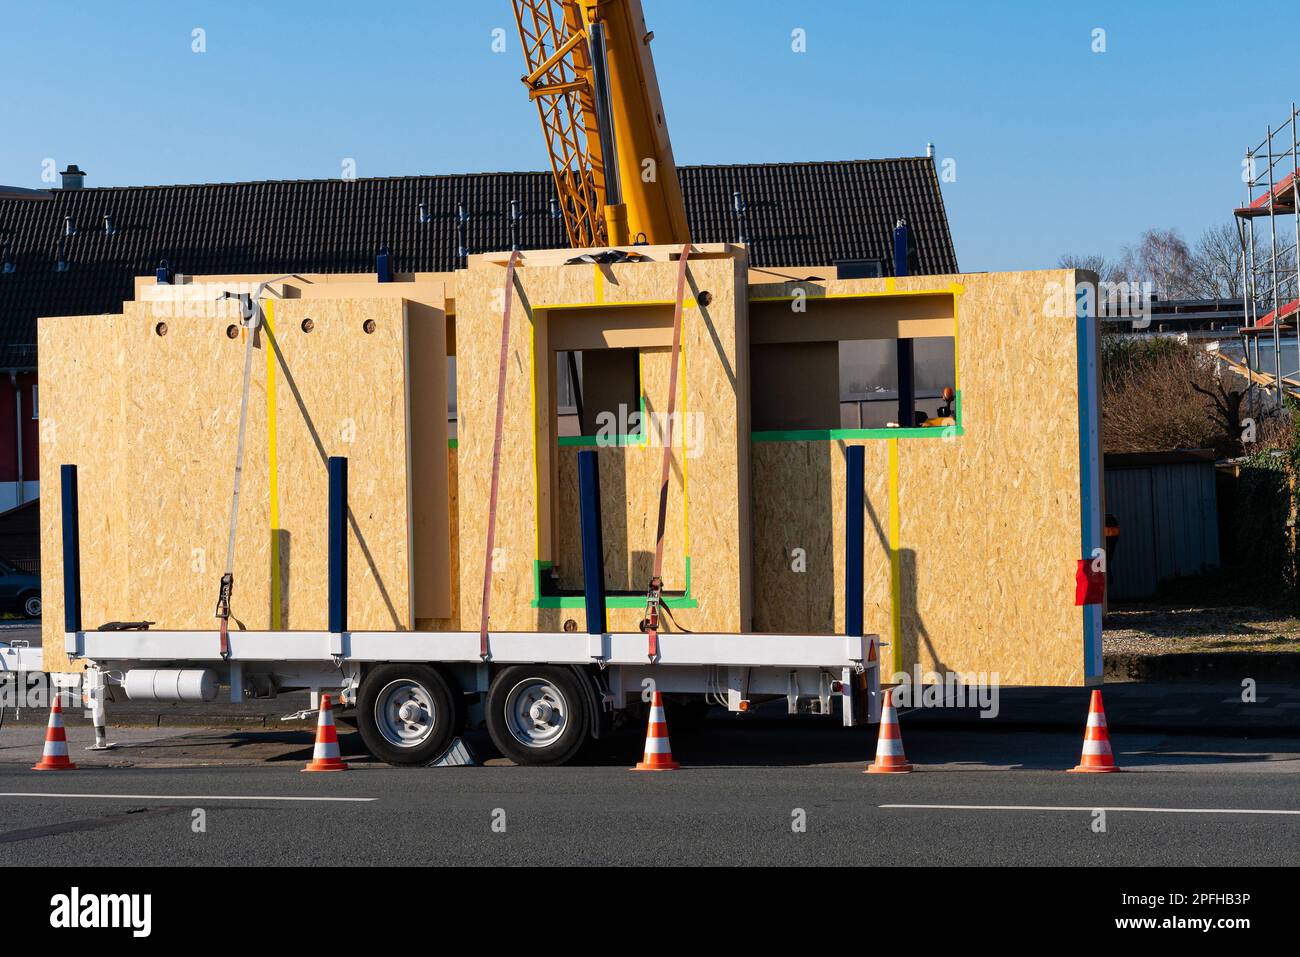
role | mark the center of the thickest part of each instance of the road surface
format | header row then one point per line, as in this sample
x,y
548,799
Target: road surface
x,y
777,793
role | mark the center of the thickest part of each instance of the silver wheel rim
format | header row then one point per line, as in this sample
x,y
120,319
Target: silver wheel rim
x,y
405,713
536,713
34,607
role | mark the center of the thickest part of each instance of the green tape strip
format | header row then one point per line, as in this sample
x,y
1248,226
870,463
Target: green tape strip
x,y
687,600
830,435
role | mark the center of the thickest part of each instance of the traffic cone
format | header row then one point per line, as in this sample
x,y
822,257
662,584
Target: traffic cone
x,y
325,756
658,752
889,746
1097,756
55,755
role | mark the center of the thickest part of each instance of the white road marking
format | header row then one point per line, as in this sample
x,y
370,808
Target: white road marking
x,y
175,797
1090,808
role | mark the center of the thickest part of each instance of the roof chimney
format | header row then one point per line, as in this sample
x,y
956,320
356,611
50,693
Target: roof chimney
x,y
929,150
73,177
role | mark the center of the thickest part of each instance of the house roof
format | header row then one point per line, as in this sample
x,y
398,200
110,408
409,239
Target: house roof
x,y
797,214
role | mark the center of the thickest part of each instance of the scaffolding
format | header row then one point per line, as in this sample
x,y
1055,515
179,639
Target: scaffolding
x,y
1271,277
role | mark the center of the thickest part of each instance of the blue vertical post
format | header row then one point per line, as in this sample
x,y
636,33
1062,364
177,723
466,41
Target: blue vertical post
x,y
593,549
71,551
338,544
854,510
906,351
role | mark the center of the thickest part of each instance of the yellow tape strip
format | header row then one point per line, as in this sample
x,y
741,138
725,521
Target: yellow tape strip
x,y
686,458
895,565
537,464
277,622
956,349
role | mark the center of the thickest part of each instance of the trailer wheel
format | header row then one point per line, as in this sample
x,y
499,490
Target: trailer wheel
x,y
538,714
407,714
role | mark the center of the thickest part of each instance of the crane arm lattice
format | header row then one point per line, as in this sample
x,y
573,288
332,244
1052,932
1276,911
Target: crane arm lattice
x,y
559,81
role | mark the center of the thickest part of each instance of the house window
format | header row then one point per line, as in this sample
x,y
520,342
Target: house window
x,y
821,363
868,379
598,392
860,269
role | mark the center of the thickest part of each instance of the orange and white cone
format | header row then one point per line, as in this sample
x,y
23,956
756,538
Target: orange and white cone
x,y
1097,756
658,752
890,758
325,756
55,755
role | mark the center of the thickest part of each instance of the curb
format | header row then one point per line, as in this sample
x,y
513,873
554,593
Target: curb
x,y
1225,665
1117,726
234,722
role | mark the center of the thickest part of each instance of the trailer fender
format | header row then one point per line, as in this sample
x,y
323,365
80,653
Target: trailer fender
x,y
594,684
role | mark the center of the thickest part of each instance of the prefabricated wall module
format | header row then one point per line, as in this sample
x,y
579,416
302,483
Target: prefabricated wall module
x,y
978,526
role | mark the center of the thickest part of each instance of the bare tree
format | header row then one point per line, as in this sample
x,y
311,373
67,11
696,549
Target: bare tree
x,y
1163,259
1095,262
1216,263
1160,394
1209,269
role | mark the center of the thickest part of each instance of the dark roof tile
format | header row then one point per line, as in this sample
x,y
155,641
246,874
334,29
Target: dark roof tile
x,y
798,214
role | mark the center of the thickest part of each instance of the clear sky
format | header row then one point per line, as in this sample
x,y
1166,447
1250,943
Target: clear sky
x,y
1057,148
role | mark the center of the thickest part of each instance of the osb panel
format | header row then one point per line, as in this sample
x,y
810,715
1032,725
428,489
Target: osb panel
x,y
174,475
710,384
990,521
81,364
343,391
152,422
478,341
451,623
427,324
799,503
430,494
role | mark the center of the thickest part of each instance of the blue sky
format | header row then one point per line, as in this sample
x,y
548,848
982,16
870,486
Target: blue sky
x,y
1057,148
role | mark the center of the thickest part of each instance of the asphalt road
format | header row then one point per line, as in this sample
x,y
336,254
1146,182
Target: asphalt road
x,y
735,802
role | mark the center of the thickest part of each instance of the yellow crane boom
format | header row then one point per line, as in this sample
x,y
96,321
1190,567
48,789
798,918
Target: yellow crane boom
x,y
592,76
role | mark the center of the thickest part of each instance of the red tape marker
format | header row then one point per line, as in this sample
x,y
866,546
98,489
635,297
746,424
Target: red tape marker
x,y
1089,585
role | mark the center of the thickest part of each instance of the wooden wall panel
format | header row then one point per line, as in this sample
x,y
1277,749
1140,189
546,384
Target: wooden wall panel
x,y
430,469
343,391
478,342
988,520
152,422
83,423
712,379
175,475
799,503
429,302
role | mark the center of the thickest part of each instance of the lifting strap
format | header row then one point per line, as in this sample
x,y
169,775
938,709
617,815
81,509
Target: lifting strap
x,y
251,315
496,454
252,310
654,594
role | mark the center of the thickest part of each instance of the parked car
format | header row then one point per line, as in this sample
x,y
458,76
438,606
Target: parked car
x,y
20,591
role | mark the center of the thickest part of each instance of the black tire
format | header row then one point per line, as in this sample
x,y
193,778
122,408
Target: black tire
x,y
380,690
572,726
31,604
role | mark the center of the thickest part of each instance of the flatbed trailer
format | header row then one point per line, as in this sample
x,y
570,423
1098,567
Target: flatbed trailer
x,y
541,695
